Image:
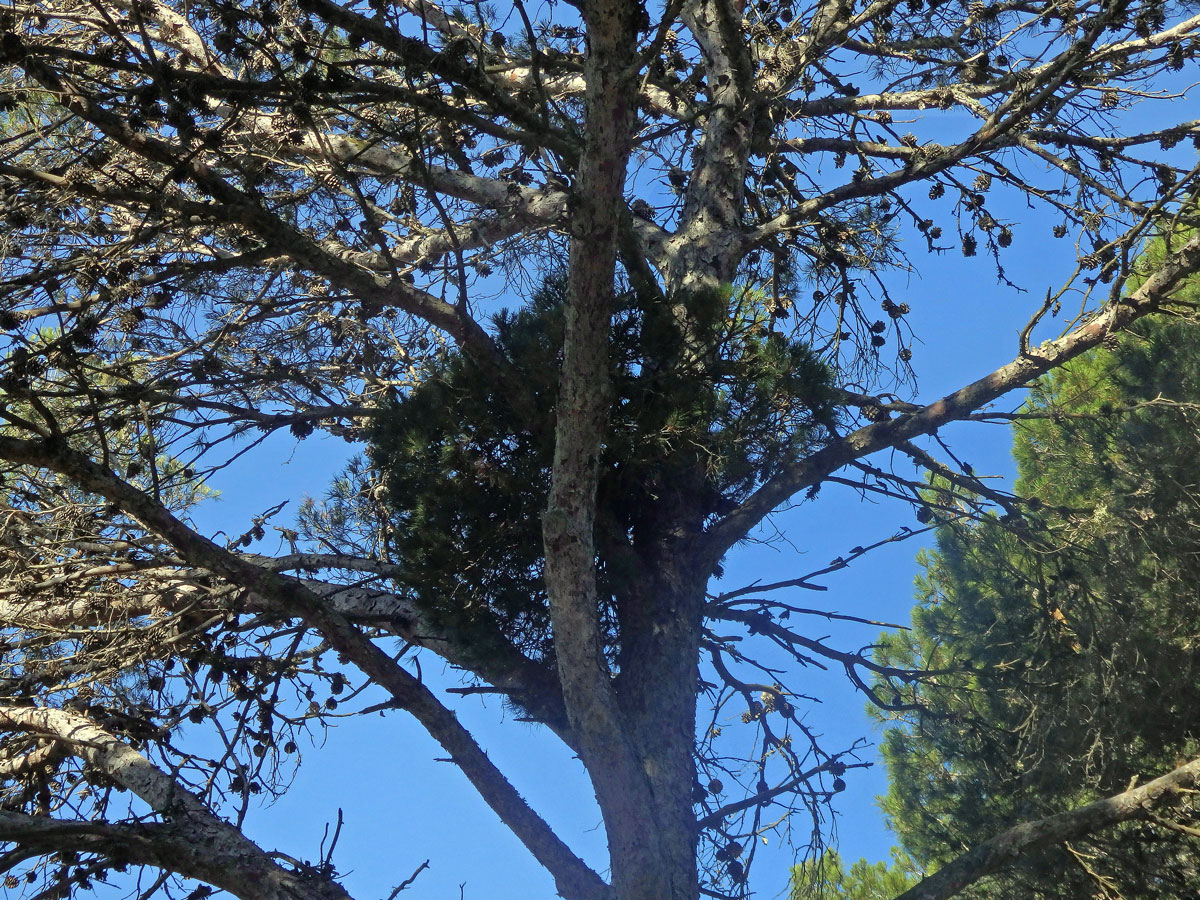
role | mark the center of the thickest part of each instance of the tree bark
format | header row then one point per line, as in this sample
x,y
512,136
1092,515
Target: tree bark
x,y
632,777
193,841
657,693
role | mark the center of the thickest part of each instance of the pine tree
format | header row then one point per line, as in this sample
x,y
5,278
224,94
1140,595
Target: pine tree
x,y
251,222
827,878
1068,638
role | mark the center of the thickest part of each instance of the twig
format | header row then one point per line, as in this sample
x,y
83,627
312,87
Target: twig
x,y
409,880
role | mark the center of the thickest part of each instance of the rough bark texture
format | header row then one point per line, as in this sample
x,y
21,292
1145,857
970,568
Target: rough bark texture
x,y
647,861
194,841
289,597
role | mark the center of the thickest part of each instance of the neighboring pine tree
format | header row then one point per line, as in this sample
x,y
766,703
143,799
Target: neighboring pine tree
x,y
1076,633
826,878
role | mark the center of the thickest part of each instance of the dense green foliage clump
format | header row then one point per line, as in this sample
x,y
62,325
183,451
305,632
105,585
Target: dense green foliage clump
x,y
827,878
1076,633
712,418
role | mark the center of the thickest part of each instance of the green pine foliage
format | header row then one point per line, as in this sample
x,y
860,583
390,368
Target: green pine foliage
x,y
827,878
464,484
1069,641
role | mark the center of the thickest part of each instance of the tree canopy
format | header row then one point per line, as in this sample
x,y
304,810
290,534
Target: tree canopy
x,y
468,484
230,221
1077,631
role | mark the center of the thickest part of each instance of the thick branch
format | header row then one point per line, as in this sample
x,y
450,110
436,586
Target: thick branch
x,y
195,843
584,399
164,590
1008,846
293,599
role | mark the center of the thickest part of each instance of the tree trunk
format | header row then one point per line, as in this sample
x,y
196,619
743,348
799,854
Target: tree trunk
x,y
607,745
661,615
657,695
